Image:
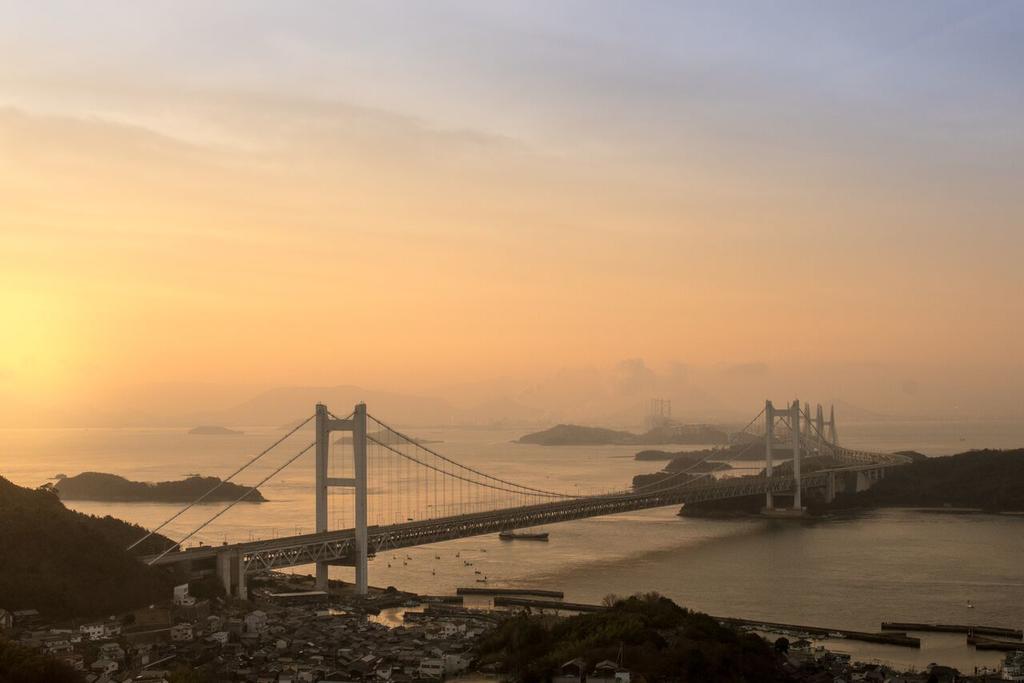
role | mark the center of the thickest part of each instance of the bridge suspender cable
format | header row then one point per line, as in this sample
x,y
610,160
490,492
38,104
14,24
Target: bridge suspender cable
x,y
521,490
470,469
702,460
236,501
201,498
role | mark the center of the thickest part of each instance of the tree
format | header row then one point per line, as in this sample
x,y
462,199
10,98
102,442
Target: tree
x,y
782,645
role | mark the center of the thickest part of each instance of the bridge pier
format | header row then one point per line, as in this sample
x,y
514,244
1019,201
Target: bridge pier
x,y
830,488
231,572
224,570
238,564
795,428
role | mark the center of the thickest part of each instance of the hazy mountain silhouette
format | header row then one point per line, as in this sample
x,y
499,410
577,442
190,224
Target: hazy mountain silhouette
x,y
286,405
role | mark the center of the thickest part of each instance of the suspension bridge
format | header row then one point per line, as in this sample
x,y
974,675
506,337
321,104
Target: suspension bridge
x,y
404,493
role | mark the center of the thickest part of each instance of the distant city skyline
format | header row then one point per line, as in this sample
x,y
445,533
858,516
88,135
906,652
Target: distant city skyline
x,y
750,199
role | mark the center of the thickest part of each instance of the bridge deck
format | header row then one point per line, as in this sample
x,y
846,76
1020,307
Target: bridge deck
x,y
338,546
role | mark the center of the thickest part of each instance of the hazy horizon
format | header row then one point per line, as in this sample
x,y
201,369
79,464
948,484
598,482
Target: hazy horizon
x,y
566,209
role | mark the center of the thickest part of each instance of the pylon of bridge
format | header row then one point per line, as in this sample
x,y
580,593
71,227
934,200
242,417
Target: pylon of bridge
x,y
791,417
356,425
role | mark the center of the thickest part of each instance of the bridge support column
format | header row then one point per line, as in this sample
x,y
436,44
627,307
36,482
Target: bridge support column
x,y
323,446
238,562
830,488
795,425
359,453
769,436
224,571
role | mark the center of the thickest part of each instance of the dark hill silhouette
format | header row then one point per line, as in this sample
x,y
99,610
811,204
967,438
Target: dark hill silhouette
x,y
660,640
992,480
66,564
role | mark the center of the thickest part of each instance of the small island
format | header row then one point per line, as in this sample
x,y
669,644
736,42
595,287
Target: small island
x,y
114,489
741,452
577,435
214,430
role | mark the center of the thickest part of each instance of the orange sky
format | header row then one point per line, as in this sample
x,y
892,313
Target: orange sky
x,y
169,223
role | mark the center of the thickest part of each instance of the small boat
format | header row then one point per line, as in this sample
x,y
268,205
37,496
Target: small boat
x,y
524,536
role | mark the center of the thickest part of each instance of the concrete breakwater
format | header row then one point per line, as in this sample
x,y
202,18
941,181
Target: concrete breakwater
x,y
900,639
953,628
510,591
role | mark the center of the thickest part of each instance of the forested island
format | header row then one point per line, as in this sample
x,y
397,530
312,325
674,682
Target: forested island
x,y
692,465
649,634
740,451
387,438
577,435
112,488
64,563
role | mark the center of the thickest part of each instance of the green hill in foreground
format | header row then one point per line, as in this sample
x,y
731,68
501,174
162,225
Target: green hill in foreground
x,y
650,634
66,564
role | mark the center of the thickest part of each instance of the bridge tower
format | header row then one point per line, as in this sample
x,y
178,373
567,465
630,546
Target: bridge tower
x,y
819,429
832,436
325,424
791,416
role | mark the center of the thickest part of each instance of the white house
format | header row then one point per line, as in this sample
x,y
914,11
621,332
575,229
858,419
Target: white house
x,y
220,637
256,621
95,631
181,596
105,666
112,651
182,632
432,667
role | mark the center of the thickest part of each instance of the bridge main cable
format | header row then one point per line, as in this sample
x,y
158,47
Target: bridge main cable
x,y
524,490
235,502
465,467
203,497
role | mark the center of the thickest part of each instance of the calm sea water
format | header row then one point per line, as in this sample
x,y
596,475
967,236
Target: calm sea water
x,y
890,565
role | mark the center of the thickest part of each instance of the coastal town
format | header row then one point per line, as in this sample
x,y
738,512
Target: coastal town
x,y
287,632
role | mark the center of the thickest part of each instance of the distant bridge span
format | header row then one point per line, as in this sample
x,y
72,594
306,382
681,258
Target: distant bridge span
x,y
508,505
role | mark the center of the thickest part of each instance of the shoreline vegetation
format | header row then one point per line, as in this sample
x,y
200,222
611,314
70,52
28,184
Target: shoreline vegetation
x,y
577,435
111,488
982,481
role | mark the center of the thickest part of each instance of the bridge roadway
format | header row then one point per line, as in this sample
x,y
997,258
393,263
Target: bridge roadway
x,y
337,547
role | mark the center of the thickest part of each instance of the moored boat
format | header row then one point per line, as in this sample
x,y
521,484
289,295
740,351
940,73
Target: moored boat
x,y
523,536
